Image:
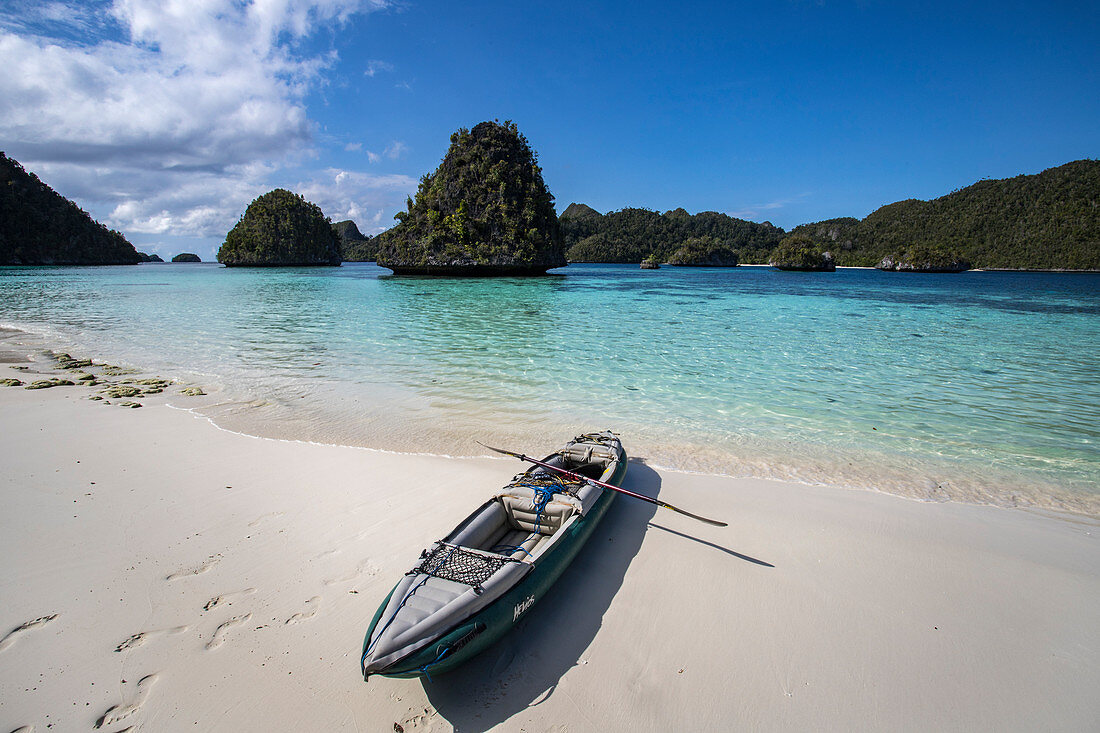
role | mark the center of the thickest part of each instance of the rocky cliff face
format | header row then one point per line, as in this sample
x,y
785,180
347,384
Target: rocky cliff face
x,y
485,211
905,264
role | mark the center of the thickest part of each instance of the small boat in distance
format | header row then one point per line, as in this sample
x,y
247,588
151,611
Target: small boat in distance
x,y
476,583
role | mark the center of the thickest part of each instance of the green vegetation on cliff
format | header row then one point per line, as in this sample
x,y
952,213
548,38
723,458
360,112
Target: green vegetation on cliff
x,y
485,210
630,235
1050,220
39,226
281,228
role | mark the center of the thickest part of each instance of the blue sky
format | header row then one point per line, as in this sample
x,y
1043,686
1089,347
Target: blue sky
x,y
164,118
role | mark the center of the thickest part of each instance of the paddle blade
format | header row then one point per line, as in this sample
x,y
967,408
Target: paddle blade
x,y
502,451
715,522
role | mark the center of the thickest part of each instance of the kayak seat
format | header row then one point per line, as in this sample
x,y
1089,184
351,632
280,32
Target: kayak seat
x,y
522,514
584,455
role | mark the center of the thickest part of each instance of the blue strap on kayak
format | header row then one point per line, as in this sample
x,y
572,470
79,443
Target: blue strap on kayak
x,y
423,669
544,496
509,549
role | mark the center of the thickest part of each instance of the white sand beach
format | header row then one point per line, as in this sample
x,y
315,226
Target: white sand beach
x,y
162,574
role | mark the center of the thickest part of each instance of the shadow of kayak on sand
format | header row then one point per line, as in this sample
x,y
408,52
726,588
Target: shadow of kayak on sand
x,y
523,668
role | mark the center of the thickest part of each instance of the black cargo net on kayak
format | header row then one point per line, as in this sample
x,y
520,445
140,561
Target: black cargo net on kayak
x,y
541,482
451,562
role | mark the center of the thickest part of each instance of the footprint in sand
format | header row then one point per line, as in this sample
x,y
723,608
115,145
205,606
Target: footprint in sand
x,y
226,598
262,517
366,566
419,721
12,636
121,712
219,633
143,636
314,603
197,570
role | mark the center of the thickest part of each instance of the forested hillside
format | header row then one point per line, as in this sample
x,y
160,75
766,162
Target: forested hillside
x,y
39,226
631,235
1050,220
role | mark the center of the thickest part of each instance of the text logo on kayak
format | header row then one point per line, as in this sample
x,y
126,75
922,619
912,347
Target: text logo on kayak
x,y
523,606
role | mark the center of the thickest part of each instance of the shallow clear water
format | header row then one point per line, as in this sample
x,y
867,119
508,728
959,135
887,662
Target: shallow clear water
x,y
979,386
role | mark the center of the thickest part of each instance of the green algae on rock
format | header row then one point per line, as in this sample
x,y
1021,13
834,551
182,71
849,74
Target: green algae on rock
x,y
281,229
47,383
120,391
485,211
11,382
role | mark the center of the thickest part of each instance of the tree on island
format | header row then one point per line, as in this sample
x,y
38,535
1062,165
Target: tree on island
x,y
281,228
485,211
187,257
39,226
801,254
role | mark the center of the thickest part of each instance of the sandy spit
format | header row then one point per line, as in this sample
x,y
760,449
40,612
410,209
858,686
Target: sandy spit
x,y
160,574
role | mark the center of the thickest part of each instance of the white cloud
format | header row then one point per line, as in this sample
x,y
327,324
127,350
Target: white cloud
x,y
361,197
353,147
163,115
393,151
374,66
396,150
753,211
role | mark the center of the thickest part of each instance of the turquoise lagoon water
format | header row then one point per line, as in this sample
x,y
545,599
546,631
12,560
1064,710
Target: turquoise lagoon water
x,y
980,387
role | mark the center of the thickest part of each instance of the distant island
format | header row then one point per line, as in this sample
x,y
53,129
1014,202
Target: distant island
x,y
1049,220
354,245
186,257
485,211
39,226
631,235
1046,221
281,229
